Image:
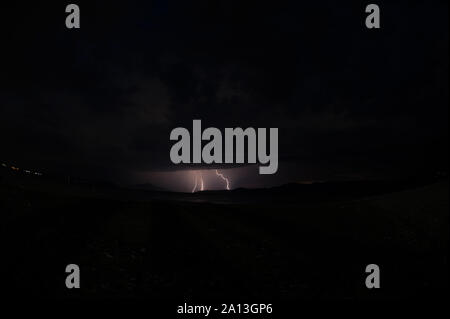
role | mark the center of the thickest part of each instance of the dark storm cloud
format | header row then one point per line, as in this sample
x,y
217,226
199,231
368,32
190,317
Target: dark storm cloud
x,y
105,98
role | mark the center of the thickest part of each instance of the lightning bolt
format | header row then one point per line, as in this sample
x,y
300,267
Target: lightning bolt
x,y
195,186
224,178
202,184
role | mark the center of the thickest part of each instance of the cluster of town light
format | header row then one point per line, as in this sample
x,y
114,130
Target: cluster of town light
x,y
17,169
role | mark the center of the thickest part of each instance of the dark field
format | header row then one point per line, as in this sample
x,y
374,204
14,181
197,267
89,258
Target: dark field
x,y
293,242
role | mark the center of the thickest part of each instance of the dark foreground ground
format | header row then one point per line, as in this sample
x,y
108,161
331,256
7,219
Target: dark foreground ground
x,y
164,246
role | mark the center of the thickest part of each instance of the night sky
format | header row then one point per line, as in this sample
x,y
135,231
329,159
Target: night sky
x,y
101,101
